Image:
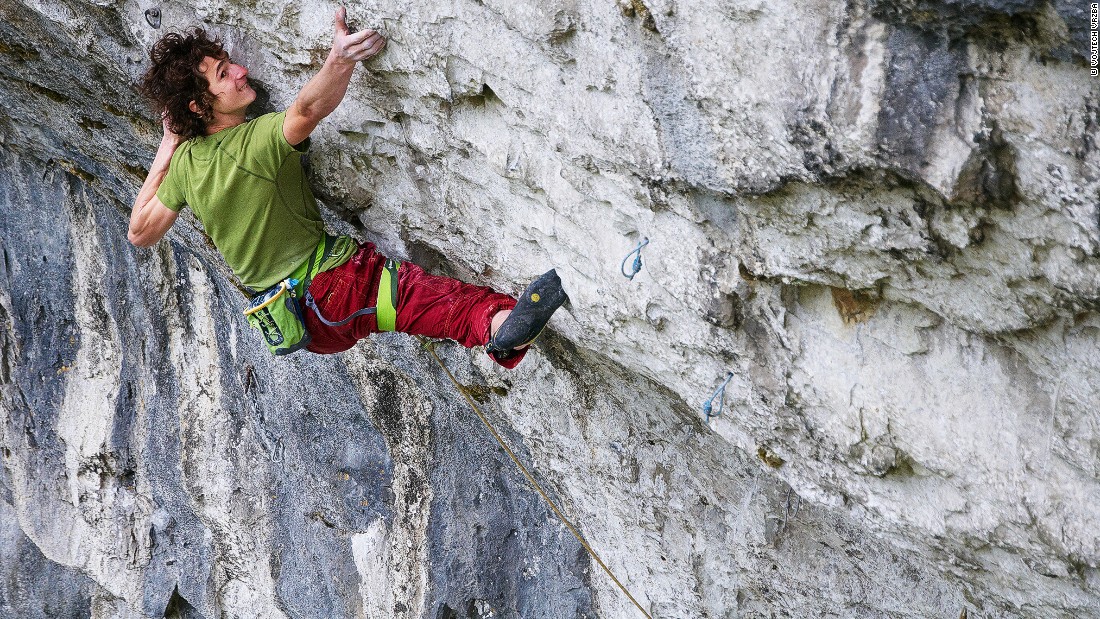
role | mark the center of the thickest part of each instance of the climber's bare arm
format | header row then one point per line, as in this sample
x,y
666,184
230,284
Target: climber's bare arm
x,y
324,92
150,219
150,223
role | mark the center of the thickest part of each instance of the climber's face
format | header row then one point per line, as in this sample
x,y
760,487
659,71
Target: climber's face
x,y
228,83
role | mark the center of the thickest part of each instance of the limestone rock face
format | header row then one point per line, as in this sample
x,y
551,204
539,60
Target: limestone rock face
x,y
880,220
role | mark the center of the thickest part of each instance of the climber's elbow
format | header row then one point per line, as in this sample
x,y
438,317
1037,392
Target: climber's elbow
x,y
300,121
149,223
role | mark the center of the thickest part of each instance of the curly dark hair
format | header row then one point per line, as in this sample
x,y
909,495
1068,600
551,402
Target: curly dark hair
x,y
174,80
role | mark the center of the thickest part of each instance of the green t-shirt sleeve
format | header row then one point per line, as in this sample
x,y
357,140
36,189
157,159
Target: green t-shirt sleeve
x,y
170,192
267,147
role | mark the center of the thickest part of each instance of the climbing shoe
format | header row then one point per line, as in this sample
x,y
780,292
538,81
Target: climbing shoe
x,y
529,316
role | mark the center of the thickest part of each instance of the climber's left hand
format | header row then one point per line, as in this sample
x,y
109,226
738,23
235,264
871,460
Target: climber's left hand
x,y
351,47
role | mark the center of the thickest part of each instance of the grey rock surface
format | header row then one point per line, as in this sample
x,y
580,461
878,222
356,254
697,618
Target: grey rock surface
x,y
31,585
882,218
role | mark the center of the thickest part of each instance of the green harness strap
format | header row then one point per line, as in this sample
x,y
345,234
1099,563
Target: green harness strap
x,y
385,309
387,296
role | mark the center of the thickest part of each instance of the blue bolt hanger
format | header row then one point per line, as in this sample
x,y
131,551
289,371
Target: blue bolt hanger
x,y
637,266
719,393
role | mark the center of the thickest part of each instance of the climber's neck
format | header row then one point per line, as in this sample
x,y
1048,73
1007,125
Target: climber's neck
x,y
222,122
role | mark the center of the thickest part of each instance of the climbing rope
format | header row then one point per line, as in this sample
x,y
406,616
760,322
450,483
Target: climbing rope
x,y
430,346
637,266
719,393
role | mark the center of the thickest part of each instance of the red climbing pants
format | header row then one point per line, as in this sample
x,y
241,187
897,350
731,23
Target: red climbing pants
x,y
428,305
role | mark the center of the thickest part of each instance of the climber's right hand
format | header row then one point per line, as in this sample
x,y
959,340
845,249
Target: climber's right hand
x,y
169,137
350,47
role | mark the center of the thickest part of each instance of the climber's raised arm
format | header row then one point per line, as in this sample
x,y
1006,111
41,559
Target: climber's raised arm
x,y
150,219
324,92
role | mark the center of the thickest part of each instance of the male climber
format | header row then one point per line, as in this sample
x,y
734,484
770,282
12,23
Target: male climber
x,y
245,183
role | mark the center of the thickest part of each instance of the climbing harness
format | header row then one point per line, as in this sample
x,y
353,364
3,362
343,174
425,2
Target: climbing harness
x,y
430,346
386,309
277,312
719,393
637,266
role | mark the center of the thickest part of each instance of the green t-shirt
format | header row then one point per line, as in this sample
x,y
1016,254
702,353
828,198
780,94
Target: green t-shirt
x,y
247,187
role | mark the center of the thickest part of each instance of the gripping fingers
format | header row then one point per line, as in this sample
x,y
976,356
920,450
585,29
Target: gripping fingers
x,y
376,47
369,47
361,42
359,37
